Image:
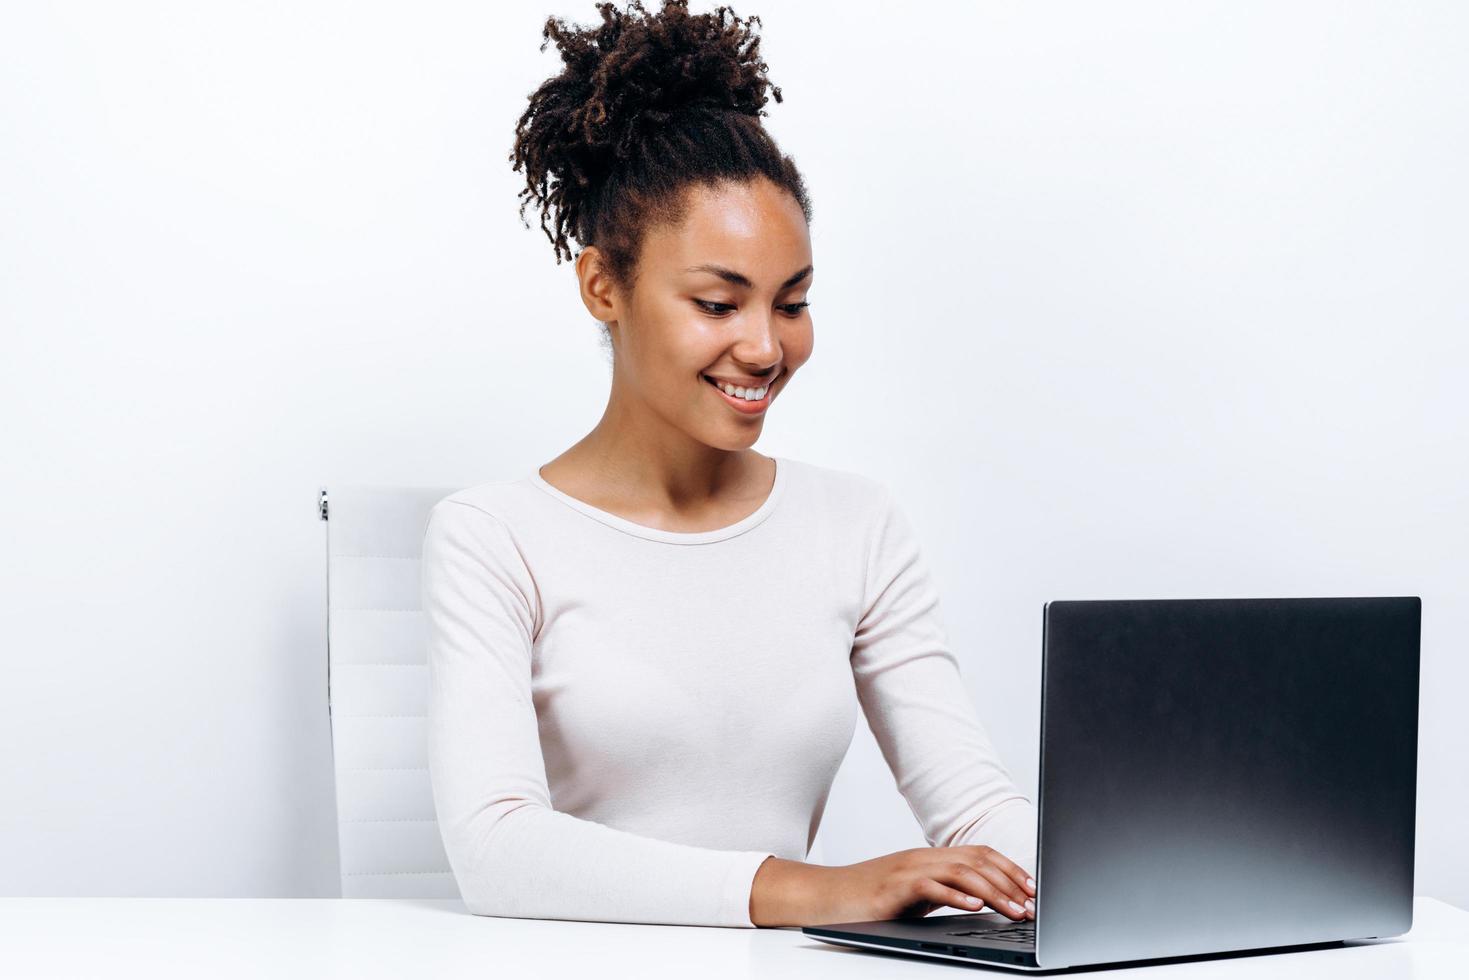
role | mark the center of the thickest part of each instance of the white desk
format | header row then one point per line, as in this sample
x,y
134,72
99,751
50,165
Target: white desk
x,y
211,938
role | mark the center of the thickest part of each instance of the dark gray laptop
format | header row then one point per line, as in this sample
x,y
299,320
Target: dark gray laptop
x,y
1216,776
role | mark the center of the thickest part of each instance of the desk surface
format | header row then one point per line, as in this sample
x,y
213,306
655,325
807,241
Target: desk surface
x,y
365,938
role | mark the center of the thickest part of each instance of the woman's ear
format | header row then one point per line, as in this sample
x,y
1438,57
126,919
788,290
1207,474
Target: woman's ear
x,y
597,292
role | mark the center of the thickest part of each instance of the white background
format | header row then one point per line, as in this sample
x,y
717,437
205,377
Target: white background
x,y
1123,299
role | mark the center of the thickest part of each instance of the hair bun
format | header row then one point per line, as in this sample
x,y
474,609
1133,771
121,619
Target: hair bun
x,y
643,106
637,70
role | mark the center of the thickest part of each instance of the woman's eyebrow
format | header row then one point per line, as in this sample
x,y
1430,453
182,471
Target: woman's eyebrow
x,y
739,279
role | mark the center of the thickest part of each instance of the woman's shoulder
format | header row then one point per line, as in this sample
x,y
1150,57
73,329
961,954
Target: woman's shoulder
x,y
843,492
506,501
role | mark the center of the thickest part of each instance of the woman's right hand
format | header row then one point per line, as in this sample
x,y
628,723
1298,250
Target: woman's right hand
x,y
905,884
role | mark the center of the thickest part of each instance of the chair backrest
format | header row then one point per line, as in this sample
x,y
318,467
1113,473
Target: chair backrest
x,y
377,688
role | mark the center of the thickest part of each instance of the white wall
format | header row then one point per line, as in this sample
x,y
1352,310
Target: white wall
x,y
1167,300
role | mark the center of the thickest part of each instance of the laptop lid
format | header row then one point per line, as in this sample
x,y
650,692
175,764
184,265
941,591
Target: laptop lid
x,y
1225,774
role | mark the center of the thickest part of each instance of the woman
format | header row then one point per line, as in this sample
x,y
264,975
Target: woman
x,y
647,656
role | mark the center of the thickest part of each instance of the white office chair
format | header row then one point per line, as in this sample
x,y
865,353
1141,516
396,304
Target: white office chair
x,y
377,693
377,690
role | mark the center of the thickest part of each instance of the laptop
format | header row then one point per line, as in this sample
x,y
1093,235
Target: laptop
x,y
1216,776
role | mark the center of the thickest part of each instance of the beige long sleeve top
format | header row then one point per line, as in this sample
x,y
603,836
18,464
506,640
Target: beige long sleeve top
x,y
625,722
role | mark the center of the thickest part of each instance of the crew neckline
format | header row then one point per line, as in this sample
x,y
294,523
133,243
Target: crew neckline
x,y
746,523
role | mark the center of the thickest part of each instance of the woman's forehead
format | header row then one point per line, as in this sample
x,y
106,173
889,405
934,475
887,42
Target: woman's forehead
x,y
735,227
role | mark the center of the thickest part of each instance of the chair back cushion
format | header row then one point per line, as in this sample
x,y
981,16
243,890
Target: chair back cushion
x,y
377,686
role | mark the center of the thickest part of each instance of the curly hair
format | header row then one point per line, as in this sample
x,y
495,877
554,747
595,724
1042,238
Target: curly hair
x,y
645,106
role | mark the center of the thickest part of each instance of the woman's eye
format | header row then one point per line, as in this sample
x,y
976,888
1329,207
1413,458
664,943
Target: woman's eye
x,y
793,309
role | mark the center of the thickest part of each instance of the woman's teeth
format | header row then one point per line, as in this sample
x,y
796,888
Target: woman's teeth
x,y
748,394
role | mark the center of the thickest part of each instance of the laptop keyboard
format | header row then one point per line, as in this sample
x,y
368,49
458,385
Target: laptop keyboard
x,y
1020,934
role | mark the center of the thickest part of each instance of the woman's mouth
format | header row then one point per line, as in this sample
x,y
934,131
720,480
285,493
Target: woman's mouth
x,y
742,399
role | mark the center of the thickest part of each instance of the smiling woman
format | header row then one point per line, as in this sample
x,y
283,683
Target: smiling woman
x,y
647,655
648,150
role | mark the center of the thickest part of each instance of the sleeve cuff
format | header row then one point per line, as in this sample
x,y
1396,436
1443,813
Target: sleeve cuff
x,y
1011,829
738,887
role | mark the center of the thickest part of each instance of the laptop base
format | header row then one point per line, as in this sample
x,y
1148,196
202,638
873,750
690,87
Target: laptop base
x,y
1024,960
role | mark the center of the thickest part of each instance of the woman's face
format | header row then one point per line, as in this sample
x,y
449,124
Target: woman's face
x,y
721,296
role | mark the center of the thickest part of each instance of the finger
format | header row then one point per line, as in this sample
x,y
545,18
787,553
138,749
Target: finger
x,y
1014,895
937,891
1012,870
969,879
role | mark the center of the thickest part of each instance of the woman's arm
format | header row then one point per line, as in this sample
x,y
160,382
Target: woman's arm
x,y
910,688
514,855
